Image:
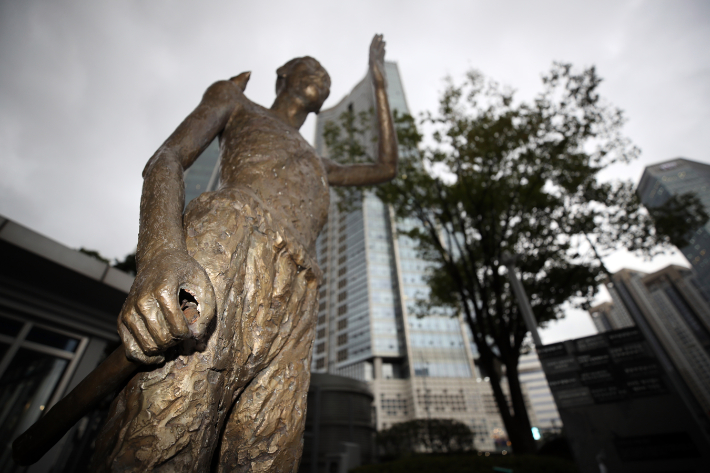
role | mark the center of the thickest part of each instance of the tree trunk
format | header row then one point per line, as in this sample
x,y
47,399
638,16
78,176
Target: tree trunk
x,y
522,421
517,425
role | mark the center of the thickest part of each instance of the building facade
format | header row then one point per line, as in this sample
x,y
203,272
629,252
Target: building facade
x,y
611,315
340,432
58,310
673,178
542,403
670,306
417,367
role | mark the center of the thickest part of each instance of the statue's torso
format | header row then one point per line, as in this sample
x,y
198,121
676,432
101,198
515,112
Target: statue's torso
x,y
260,152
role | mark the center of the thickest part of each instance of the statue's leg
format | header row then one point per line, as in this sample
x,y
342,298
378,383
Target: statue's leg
x,y
264,431
168,418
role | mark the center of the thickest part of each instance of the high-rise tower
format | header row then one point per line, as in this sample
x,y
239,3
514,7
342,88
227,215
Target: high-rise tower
x,y
416,367
668,307
610,315
676,177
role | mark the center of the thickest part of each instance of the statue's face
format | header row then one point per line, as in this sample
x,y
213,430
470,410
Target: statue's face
x,y
308,83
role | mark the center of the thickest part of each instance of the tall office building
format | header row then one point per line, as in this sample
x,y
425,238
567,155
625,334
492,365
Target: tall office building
x,y
669,308
418,368
610,316
676,177
540,397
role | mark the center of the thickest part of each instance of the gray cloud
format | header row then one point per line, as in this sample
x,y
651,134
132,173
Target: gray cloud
x,y
88,90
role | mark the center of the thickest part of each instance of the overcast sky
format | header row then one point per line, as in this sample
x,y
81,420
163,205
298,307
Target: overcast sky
x,y
89,90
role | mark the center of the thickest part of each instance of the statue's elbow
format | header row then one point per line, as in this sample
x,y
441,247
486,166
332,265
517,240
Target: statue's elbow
x,y
164,157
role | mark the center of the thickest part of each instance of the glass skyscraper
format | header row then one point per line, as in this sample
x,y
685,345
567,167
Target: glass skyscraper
x,y
418,368
676,177
668,307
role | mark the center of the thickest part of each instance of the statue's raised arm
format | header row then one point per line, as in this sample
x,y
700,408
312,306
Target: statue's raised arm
x,y
385,166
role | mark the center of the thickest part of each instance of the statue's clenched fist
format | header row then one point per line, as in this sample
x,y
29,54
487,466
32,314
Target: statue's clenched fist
x,y
152,320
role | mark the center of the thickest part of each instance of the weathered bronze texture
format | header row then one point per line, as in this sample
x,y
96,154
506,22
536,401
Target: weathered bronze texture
x,y
229,393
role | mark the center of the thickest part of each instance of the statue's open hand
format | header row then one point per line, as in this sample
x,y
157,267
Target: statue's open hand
x,y
377,59
151,319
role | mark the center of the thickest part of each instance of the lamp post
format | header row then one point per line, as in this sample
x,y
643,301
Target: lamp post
x,y
523,302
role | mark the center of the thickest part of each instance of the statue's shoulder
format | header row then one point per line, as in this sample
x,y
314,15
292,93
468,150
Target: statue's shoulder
x,y
225,92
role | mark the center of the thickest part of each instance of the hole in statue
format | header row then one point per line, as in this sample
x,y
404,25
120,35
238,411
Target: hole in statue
x,y
188,304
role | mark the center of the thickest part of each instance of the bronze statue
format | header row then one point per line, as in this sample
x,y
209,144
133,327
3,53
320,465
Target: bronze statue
x,y
230,394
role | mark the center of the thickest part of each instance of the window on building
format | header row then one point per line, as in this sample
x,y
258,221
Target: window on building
x,y
342,296
36,364
343,309
343,354
342,323
320,348
394,407
321,333
342,259
342,271
320,363
342,339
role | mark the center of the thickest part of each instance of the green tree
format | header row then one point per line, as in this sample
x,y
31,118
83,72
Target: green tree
x,y
128,265
425,436
94,254
503,176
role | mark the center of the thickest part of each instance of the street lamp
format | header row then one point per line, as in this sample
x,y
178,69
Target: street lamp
x,y
523,302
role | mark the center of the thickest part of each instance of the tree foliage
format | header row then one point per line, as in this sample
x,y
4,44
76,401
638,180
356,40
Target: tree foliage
x,y
128,265
497,176
425,436
678,217
94,254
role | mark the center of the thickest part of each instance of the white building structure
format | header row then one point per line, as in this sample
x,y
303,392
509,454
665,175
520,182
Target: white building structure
x,y
417,368
671,306
542,403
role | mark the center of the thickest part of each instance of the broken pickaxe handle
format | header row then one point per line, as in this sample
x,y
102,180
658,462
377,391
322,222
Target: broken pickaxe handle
x,y
29,447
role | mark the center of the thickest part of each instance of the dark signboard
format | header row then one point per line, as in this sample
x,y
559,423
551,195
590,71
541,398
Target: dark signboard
x,y
608,367
671,446
620,409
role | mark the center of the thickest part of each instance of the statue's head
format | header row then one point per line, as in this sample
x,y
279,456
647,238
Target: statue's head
x,y
306,78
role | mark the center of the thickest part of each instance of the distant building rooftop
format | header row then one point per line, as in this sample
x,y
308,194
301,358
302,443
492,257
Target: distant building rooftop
x,y
29,240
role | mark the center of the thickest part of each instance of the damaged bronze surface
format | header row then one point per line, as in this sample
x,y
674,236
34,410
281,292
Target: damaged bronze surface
x,y
228,392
